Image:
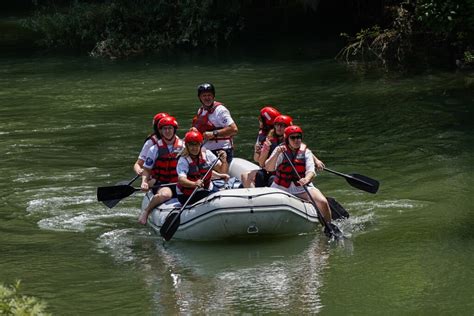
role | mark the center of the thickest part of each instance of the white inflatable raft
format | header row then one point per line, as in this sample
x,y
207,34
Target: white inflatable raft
x,y
239,213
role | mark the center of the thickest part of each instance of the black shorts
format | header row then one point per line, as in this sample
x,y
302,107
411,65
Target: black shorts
x,y
196,197
263,178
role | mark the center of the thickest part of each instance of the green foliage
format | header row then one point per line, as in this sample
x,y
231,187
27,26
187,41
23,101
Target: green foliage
x,y
424,31
80,26
469,57
438,16
121,28
12,303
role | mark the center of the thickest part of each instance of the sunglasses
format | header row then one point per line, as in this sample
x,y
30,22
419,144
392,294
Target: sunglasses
x,y
296,137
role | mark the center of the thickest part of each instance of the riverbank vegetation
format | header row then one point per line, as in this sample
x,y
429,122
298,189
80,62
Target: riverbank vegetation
x,y
393,34
13,303
423,32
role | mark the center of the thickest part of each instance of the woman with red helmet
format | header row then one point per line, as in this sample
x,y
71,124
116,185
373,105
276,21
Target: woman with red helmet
x,y
193,164
266,120
160,165
261,177
151,140
302,162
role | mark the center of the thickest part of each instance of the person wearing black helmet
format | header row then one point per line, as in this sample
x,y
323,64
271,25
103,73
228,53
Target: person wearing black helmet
x,y
214,122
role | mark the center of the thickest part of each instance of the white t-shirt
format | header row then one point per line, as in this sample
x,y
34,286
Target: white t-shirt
x,y
146,147
220,118
309,165
183,167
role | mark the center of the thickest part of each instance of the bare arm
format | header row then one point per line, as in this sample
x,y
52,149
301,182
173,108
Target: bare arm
x,y
270,163
318,163
145,177
264,153
218,175
185,182
256,152
227,131
138,167
222,166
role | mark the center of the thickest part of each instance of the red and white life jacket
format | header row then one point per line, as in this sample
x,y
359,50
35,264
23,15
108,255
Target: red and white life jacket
x,y
284,172
164,169
201,120
154,139
197,169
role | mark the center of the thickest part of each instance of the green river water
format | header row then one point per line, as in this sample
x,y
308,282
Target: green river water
x,y
69,125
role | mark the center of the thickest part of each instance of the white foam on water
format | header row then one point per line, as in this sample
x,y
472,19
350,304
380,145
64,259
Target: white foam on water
x,y
365,213
79,175
120,243
405,204
80,222
357,224
55,204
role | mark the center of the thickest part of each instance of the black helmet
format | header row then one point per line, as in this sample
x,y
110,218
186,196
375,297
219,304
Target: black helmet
x,y
206,87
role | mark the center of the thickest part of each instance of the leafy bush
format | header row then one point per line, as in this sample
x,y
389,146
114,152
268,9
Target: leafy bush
x,y
121,28
422,32
12,303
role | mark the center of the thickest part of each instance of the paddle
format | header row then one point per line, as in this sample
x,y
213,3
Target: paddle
x,y
119,192
358,181
337,210
112,203
321,219
172,221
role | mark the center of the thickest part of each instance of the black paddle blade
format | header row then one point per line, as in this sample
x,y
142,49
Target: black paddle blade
x,y
337,211
363,183
111,203
116,192
171,224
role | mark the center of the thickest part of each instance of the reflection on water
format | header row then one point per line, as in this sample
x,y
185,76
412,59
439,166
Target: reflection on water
x,y
275,275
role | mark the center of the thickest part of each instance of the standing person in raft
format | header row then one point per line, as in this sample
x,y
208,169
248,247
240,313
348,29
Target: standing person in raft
x,y
214,122
303,161
151,140
160,165
193,164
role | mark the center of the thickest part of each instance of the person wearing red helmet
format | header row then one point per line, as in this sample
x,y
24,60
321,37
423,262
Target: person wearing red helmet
x,y
303,161
193,164
151,140
160,165
214,122
266,120
261,177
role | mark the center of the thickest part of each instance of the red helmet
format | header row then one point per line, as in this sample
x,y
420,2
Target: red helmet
x,y
268,114
166,121
158,117
193,137
293,129
284,119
